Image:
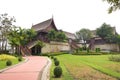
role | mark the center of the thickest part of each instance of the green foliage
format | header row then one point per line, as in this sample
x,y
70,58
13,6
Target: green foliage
x,y
87,53
96,62
106,32
4,57
55,58
56,36
52,57
77,50
57,71
115,58
8,62
53,54
118,39
52,35
84,35
84,48
60,36
48,55
97,50
115,5
30,34
80,49
6,23
88,50
20,58
56,62
65,73
20,37
3,63
40,43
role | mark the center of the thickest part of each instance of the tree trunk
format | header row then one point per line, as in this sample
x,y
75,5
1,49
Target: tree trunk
x,y
84,44
5,44
2,43
12,49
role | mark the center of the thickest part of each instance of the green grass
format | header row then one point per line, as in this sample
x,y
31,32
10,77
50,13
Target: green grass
x,y
3,63
4,58
87,67
65,74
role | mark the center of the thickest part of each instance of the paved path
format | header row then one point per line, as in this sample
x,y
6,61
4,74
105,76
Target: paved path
x,y
30,70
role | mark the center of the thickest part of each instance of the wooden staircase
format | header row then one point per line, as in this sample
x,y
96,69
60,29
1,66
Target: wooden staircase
x,y
91,44
25,51
74,45
31,44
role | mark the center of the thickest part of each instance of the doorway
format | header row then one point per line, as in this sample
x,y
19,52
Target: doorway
x,y
36,50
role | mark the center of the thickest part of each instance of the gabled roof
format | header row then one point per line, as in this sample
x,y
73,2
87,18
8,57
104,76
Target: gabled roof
x,y
69,35
43,25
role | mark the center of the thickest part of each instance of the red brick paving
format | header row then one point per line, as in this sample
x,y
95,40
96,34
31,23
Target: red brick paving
x,y
26,71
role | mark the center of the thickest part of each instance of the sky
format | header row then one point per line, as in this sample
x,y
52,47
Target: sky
x,y
68,15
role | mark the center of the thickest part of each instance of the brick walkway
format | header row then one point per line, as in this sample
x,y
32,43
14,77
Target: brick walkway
x,y
30,70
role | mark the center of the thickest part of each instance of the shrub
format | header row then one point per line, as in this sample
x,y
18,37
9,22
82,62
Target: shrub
x,y
54,54
8,62
48,55
55,59
19,58
4,57
77,50
57,71
52,57
97,49
115,58
88,50
84,47
56,62
81,49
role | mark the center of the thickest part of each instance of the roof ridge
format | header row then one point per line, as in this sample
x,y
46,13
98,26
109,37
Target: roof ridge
x,y
43,22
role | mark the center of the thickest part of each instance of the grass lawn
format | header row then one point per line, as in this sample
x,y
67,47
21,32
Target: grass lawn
x,y
65,76
87,67
4,58
3,63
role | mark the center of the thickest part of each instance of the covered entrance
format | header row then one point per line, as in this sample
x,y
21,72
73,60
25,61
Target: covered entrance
x,y
36,50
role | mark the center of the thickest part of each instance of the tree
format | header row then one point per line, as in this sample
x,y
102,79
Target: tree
x,y
5,27
105,32
40,43
30,34
20,37
56,36
115,5
84,35
13,39
52,35
60,36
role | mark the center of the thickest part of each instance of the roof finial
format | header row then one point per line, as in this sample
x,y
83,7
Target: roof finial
x,y
32,24
52,16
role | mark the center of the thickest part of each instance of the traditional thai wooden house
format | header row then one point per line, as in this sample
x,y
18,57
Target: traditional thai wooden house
x,y
98,42
42,30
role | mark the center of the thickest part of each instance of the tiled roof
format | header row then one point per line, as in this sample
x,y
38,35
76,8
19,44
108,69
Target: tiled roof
x,y
69,35
42,26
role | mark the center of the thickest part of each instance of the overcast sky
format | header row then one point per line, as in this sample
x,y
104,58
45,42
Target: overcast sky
x,y
69,15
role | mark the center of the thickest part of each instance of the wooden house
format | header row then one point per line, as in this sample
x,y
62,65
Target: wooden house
x,y
98,42
42,30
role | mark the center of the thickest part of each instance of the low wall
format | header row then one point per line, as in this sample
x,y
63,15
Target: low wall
x,y
111,47
55,47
